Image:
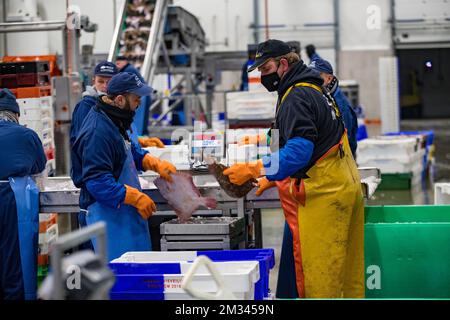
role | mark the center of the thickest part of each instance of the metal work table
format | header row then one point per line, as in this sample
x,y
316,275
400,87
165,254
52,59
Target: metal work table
x,y
59,195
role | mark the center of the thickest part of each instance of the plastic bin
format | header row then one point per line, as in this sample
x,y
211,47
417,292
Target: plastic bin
x,y
141,262
395,181
162,280
407,251
400,164
388,147
19,80
428,140
442,193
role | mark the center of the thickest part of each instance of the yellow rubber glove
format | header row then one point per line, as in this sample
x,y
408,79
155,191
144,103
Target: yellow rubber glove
x,y
150,142
240,173
163,167
254,139
263,185
144,205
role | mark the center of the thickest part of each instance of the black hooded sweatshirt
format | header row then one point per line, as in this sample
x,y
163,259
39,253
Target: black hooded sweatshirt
x,y
306,113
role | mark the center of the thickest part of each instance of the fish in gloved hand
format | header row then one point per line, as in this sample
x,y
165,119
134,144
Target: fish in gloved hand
x,y
183,196
231,189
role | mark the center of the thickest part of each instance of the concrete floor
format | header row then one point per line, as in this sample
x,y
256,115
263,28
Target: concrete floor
x,y
272,229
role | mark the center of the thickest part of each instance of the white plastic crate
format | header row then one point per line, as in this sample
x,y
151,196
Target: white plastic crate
x,y
387,147
442,193
178,155
38,125
41,102
50,166
248,105
239,276
244,153
404,164
45,239
35,114
48,144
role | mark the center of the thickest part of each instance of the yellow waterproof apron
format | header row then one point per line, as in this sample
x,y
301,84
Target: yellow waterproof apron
x,y
325,214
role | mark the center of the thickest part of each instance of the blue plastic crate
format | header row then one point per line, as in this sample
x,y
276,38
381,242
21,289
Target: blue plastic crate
x,y
265,257
136,295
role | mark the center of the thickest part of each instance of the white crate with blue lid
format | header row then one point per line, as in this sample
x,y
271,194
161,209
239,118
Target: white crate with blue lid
x,y
141,262
163,280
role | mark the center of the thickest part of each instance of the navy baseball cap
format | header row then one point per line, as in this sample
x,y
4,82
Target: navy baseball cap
x,y
269,49
105,69
321,65
126,82
8,101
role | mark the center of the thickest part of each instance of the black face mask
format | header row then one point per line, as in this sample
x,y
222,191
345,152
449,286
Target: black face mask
x,y
122,118
271,81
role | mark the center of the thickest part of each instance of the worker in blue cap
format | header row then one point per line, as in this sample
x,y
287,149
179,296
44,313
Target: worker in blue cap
x,y
311,53
331,86
142,114
103,72
22,156
110,188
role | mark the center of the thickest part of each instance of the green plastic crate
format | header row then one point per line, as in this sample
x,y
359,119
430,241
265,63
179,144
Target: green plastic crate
x,y
395,181
407,251
41,274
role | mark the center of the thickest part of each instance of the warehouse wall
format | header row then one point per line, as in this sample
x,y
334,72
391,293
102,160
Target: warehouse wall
x,y
365,36
99,11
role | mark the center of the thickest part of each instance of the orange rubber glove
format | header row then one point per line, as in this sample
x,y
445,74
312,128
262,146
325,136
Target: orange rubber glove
x,y
163,167
144,205
240,173
254,139
263,185
150,142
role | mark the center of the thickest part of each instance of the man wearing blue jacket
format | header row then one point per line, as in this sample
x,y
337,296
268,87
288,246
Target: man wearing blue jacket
x,y
110,188
331,84
103,72
317,179
22,155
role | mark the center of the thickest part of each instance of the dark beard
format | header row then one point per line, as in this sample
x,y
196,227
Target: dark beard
x,y
122,118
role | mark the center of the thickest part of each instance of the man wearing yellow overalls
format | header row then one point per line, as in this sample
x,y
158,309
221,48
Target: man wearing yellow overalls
x,y
316,176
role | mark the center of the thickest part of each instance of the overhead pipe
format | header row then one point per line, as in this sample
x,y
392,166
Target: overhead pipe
x,y
266,17
256,20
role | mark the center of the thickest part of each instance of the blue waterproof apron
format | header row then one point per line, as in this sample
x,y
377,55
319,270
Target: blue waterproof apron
x,y
126,230
27,203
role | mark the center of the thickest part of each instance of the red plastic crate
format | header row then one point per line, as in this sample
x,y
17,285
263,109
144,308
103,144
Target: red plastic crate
x,y
50,153
19,80
32,92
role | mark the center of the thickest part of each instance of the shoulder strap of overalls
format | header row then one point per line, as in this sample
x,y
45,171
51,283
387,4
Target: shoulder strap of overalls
x,y
316,87
299,84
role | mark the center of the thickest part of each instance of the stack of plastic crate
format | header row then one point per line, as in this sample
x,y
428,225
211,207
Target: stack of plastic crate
x,y
48,232
30,83
399,158
37,114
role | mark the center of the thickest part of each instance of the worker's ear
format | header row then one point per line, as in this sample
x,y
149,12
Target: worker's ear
x,y
119,100
284,65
